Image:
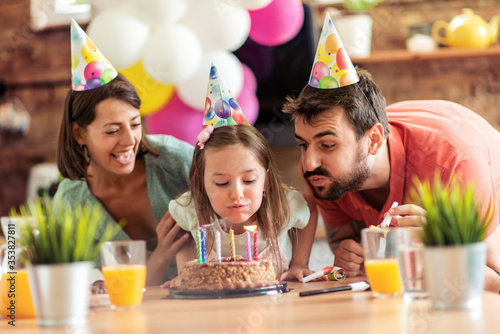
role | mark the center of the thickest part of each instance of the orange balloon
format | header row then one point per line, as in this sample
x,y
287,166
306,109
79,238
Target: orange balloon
x,y
332,43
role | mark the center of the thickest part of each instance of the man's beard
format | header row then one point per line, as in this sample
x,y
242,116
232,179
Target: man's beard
x,y
339,187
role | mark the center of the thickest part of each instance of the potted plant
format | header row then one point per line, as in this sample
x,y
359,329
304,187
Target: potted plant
x,y
454,251
60,250
354,26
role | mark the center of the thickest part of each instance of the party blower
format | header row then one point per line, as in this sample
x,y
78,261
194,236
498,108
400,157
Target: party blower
x,y
358,286
333,273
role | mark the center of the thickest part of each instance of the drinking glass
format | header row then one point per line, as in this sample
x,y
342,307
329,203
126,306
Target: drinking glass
x,y
124,270
410,259
381,262
15,293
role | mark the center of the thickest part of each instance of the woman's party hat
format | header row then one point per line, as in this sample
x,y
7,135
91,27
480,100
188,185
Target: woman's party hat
x,y
221,108
332,67
89,68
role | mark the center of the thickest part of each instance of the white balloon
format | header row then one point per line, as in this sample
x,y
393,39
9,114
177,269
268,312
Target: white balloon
x,y
193,92
220,25
172,54
255,4
157,12
119,36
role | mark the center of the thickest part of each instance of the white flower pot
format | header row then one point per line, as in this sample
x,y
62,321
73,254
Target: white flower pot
x,y
454,275
60,292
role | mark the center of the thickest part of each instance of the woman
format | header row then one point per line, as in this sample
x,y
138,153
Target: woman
x,y
106,158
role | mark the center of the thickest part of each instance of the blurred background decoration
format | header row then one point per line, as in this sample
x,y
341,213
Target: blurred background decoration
x,y
165,49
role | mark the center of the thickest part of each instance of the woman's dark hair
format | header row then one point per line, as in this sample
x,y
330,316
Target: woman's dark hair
x,y
363,103
80,108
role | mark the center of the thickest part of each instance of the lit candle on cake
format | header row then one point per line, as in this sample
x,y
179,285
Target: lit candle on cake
x,y
249,245
202,245
218,246
198,246
231,240
253,229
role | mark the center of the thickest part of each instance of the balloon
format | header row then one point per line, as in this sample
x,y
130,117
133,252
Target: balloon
x,y
220,25
249,105
157,12
249,80
255,4
172,54
93,70
176,119
153,94
276,23
319,70
120,37
193,92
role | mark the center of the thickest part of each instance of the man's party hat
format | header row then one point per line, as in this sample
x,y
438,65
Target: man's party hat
x,y
332,67
90,69
221,108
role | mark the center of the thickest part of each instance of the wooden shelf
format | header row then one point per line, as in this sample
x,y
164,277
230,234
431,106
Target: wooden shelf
x,y
386,56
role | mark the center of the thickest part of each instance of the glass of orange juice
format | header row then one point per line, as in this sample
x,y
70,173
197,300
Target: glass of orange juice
x,y
124,270
381,262
15,294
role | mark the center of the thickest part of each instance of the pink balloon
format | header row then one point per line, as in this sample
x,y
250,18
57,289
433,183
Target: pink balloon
x,y
249,80
177,119
277,23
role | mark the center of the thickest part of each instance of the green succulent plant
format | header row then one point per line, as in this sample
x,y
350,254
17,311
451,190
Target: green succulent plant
x,y
360,5
453,216
68,235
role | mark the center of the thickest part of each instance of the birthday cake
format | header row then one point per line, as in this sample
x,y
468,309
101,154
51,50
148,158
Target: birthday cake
x,y
227,275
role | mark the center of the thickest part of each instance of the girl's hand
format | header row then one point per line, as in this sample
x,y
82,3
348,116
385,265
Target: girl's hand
x,y
170,237
298,272
176,281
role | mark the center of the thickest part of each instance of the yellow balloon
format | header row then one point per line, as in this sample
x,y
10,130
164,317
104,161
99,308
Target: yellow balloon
x,y
323,55
153,94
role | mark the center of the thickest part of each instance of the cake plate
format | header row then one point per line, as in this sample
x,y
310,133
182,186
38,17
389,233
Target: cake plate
x,y
175,293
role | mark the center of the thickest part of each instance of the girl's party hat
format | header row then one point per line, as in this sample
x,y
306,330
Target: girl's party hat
x,y
90,69
332,67
221,108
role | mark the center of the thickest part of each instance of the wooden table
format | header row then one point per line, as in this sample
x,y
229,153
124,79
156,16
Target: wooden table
x,y
339,312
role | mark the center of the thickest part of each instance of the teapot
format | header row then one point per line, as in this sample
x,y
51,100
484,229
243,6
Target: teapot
x,y
467,30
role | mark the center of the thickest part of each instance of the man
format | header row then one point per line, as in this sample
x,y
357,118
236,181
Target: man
x,y
358,158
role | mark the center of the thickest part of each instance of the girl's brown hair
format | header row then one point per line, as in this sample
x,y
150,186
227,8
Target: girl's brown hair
x,y
80,108
274,210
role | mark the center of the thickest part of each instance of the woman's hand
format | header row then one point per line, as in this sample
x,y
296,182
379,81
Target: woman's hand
x,y
170,237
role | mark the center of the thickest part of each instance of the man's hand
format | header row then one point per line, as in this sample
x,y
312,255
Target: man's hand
x,y
407,215
349,255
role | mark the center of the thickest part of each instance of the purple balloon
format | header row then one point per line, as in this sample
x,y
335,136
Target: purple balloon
x,y
222,109
314,82
93,83
233,103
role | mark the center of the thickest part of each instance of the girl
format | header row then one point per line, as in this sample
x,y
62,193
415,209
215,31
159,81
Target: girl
x,y
234,181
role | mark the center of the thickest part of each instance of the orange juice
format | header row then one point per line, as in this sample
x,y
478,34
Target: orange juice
x,y
15,287
383,275
125,284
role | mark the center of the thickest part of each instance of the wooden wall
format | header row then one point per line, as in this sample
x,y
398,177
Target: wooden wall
x,y
36,69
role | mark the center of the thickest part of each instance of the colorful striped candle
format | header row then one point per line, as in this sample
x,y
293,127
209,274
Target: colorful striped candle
x,y
231,240
218,250
249,247
198,246
202,244
255,243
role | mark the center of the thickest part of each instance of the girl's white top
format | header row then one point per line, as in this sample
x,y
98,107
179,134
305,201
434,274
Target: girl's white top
x,y
184,213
